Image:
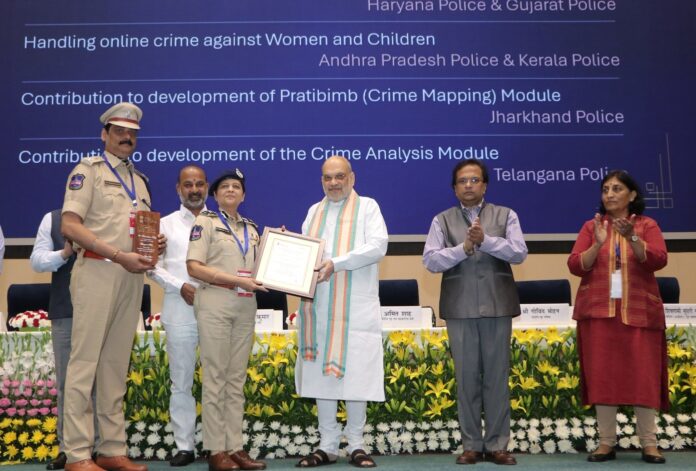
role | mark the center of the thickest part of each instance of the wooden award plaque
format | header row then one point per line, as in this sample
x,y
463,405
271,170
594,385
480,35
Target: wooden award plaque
x,y
147,229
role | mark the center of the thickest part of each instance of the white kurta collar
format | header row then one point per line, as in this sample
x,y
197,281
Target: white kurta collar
x,y
186,213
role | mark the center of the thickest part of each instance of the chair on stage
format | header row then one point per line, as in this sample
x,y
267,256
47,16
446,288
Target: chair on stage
x,y
35,296
398,293
401,293
275,300
669,289
26,297
544,291
146,306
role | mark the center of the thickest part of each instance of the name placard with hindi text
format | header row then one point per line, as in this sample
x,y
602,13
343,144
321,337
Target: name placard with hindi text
x,y
544,314
680,314
268,320
406,317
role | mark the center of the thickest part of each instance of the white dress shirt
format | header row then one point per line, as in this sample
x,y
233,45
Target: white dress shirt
x,y
437,257
44,257
170,272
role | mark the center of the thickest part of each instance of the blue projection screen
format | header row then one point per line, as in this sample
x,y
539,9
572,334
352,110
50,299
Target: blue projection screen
x,y
550,95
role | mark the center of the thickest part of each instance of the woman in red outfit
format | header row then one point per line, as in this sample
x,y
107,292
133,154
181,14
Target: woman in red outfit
x,y
619,314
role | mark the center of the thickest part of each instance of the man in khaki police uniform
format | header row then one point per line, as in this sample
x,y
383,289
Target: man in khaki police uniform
x,y
101,196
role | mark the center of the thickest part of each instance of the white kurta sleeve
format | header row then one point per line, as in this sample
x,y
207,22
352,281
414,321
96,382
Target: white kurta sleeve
x,y
376,240
44,257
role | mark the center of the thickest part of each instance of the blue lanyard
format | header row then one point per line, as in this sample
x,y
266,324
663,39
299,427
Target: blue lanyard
x,y
244,249
131,191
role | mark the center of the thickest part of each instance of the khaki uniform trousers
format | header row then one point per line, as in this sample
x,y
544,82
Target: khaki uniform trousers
x,y
106,308
225,336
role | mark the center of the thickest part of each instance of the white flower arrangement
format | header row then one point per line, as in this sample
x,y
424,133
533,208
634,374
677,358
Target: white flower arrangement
x,y
154,321
549,447
276,439
590,444
566,446
678,443
563,432
30,320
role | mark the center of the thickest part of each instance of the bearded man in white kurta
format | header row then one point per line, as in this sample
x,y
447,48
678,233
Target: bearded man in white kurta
x,y
340,355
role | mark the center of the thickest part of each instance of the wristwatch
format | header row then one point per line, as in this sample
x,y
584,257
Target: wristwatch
x,y
634,238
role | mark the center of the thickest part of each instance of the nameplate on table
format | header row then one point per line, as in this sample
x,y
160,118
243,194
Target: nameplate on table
x,y
680,314
405,317
544,314
268,320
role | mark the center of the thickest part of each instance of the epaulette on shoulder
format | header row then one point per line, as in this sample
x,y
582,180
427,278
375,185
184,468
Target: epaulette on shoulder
x,y
210,214
142,175
95,159
250,222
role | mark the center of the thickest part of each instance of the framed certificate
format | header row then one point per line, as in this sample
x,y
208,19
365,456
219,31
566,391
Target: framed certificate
x,y
287,260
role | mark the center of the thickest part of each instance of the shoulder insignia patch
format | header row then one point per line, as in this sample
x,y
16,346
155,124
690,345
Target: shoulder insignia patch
x,y
196,232
76,181
95,159
250,222
142,175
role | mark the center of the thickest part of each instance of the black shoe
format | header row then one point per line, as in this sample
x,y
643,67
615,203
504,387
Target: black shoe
x,y
601,457
58,462
653,459
182,458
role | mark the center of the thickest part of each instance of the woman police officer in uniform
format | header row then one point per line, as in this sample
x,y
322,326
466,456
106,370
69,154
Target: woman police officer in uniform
x,y
222,250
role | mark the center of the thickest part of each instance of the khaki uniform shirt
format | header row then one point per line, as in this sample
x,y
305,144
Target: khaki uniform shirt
x,y
212,243
95,194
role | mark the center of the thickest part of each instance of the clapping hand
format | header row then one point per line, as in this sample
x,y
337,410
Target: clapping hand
x,y
475,232
624,226
600,229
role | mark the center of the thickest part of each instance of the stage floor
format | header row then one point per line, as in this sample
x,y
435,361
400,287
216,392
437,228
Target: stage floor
x,y
625,460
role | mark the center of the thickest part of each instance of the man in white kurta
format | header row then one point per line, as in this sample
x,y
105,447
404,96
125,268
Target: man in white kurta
x,y
362,378
177,310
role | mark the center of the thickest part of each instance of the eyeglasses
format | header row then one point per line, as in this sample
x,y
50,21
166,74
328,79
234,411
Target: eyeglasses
x,y
338,177
472,180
